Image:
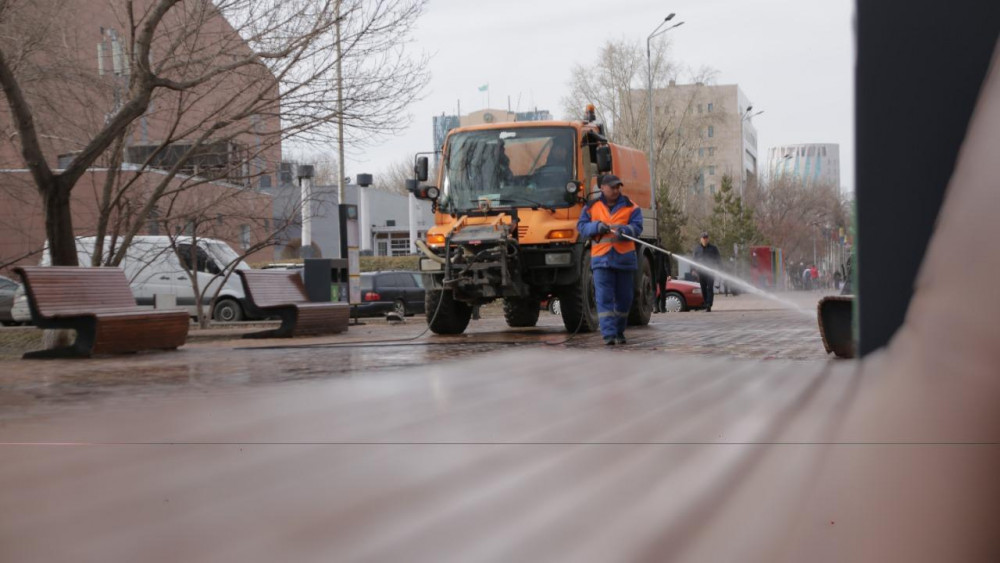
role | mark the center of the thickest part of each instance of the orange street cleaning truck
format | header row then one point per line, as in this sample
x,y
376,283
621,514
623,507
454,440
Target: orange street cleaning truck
x,y
506,203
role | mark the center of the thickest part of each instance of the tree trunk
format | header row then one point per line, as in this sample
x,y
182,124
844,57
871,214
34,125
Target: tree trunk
x,y
59,224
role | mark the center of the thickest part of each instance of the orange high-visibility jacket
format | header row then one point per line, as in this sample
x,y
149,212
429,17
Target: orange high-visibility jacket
x,y
603,244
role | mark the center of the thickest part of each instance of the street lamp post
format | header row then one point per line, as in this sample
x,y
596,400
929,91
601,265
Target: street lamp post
x,y
649,99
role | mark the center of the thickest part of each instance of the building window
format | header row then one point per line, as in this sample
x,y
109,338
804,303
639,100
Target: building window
x,y
400,246
711,131
700,109
711,170
701,152
711,151
390,222
383,247
711,188
265,181
709,108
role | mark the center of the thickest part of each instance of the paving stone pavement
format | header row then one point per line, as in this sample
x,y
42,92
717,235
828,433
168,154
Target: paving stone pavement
x,y
738,327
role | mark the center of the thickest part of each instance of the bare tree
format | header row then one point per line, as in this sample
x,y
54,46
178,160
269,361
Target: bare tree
x,y
394,176
616,84
325,168
792,214
240,74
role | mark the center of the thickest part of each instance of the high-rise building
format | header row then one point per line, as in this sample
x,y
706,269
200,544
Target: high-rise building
x,y
814,163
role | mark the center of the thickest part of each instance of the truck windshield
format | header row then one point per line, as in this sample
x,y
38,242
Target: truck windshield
x,y
514,167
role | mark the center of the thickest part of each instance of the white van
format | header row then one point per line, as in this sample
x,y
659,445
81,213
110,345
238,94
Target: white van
x,y
153,268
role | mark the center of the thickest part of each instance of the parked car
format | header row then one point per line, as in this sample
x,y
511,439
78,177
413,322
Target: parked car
x,y
20,311
683,296
7,289
393,290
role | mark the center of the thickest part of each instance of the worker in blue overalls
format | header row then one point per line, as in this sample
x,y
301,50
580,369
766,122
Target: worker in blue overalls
x,y
612,257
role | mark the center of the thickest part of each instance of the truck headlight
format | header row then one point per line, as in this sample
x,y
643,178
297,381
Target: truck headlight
x,y
558,259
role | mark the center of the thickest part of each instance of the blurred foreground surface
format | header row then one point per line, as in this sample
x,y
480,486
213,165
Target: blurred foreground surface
x,y
685,445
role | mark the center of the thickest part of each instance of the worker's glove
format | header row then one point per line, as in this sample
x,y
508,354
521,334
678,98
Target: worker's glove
x,y
603,228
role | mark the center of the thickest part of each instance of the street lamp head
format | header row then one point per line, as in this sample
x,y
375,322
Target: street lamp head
x,y
659,29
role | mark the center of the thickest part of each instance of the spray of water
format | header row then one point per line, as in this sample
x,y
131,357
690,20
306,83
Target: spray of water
x,y
730,279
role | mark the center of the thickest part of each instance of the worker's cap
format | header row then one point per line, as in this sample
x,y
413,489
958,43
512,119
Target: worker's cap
x,y
611,180
704,234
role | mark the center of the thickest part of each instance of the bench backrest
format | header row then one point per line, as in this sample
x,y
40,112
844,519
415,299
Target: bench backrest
x,y
67,290
267,288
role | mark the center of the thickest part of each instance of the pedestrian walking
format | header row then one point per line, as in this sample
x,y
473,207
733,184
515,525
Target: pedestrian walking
x,y
613,258
706,254
661,276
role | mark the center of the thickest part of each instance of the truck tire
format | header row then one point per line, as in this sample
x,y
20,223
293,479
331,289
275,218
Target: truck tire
x,y
579,306
521,312
444,314
645,294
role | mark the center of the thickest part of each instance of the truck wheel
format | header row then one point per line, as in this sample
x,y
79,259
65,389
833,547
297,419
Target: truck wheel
x,y
450,317
579,306
227,310
645,295
520,312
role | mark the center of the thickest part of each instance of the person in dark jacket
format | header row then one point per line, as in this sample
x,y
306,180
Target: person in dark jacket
x,y
661,274
612,258
707,254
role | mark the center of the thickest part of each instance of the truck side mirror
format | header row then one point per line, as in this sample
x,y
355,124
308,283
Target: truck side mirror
x,y
604,159
421,168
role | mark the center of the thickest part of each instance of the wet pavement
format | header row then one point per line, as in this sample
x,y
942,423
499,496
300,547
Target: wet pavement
x,y
216,360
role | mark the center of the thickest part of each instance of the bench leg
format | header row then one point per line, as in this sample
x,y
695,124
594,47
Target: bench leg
x,y
82,347
288,319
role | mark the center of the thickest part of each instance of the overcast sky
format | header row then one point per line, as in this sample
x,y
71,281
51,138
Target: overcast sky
x,y
793,58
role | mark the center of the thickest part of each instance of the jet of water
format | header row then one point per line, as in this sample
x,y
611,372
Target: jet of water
x,y
733,280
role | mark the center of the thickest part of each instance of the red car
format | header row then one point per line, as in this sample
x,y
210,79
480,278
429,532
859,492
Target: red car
x,y
683,296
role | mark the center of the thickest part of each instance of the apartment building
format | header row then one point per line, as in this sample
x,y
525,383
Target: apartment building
x,y
710,128
82,80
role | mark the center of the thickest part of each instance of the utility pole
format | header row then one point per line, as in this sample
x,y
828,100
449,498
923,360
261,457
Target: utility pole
x,y
342,174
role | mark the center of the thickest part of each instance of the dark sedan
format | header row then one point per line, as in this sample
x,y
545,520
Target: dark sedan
x,y
394,290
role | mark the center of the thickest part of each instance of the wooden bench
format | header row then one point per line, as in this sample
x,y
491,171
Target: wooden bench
x,y
281,293
98,304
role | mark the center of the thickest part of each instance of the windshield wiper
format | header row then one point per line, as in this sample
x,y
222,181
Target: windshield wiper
x,y
534,204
